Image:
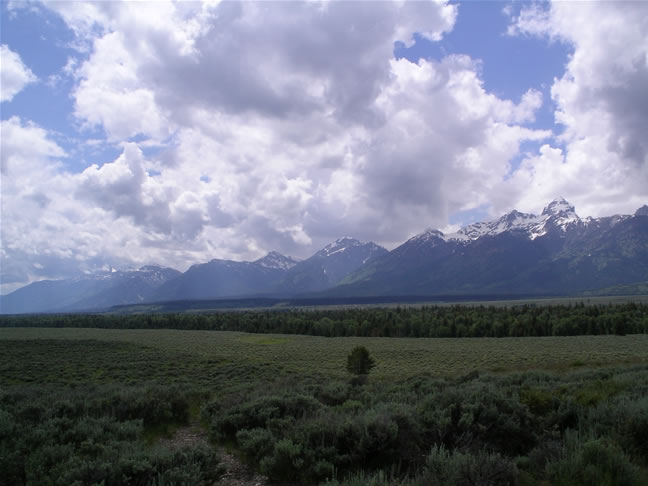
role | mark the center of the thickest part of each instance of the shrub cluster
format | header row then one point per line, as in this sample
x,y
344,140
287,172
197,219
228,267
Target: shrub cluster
x,y
486,430
64,437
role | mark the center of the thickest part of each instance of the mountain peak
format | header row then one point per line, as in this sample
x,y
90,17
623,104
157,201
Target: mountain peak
x,y
274,254
342,243
346,240
429,237
346,243
274,259
431,233
153,267
558,215
512,216
642,211
558,206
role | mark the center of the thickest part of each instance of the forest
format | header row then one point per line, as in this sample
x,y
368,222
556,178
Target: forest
x,y
424,321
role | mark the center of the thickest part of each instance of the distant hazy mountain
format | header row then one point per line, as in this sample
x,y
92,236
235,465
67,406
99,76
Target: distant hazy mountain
x,y
552,253
328,266
87,292
555,252
226,278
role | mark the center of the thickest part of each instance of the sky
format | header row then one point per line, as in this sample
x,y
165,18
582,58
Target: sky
x,y
172,133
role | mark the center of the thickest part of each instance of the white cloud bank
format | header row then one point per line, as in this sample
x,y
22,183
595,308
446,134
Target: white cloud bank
x,y
14,75
285,125
602,104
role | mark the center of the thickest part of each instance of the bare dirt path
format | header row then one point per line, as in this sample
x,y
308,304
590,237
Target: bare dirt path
x,y
236,472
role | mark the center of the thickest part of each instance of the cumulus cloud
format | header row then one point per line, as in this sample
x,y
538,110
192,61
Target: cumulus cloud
x,y
278,59
110,95
445,143
14,75
60,224
117,185
28,167
26,150
601,104
278,126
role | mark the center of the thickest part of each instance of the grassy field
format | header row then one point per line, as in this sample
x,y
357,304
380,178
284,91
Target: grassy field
x,y
86,406
203,356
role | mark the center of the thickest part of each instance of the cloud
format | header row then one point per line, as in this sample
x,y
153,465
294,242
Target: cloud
x,y
110,95
116,186
445,144
29,166
276,126
156,62
601,104
26,150
59,224
14,75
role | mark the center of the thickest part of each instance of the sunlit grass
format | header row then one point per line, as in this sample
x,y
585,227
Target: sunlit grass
x,y
208,357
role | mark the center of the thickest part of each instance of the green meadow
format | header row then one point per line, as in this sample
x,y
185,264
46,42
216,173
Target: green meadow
x,y
91,406
63,355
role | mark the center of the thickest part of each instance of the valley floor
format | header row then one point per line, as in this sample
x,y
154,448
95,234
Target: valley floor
x,y
157,406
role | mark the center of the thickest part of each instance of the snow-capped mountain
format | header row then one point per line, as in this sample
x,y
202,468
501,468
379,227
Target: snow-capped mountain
x,y
328,266
554,252
558,215
99,290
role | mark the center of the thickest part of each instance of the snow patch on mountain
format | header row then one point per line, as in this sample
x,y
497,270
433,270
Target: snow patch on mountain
x,y
512,221
558,214
429,236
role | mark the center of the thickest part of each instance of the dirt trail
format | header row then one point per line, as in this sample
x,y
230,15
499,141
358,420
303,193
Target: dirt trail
x,y
236,472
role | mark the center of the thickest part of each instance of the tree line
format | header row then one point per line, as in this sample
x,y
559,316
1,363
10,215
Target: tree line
x,y
425,321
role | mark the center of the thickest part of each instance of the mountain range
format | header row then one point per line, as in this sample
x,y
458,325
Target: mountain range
x,y
554,253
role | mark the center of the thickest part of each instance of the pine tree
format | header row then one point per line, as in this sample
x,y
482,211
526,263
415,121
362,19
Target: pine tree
x,y
359,362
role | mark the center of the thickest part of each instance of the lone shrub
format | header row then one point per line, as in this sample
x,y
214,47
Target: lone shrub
x,y
359,362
